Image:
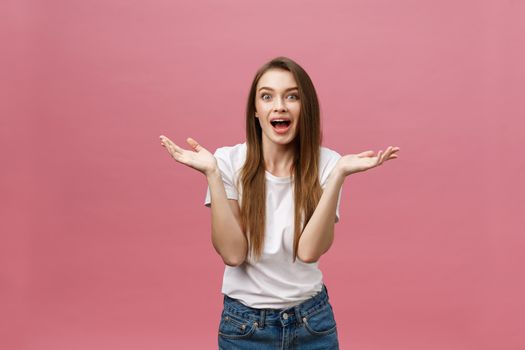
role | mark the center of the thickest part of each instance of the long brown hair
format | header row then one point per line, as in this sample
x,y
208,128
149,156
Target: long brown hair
x,y
305,168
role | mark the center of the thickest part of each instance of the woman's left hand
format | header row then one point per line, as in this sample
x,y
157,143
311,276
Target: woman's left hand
x,y
354,163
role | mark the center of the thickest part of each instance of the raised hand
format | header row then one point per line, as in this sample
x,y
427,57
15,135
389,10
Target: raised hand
x,y
198,158
353,163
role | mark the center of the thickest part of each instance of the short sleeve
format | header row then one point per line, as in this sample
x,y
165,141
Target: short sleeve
x,y
226,169
328,162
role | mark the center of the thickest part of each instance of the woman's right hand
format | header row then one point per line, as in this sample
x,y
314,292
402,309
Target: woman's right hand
x,y
198,158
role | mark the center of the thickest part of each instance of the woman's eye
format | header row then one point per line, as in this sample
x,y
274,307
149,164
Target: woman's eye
x,y
267,97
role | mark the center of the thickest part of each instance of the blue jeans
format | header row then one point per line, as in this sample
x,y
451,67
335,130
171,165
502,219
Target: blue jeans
x,y
307,326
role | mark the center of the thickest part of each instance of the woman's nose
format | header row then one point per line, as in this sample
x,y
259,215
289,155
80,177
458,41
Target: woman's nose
x,y
279,105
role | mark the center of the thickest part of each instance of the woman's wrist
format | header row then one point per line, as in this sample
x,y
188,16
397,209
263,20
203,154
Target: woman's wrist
x,y
339,172
337,175
214,172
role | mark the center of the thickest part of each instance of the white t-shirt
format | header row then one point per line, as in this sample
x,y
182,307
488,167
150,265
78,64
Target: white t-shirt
x,y
274,281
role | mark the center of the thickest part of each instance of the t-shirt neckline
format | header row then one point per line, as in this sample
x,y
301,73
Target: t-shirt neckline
x,y
282,179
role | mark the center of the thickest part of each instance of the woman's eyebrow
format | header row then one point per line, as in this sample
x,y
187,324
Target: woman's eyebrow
x,y
268,88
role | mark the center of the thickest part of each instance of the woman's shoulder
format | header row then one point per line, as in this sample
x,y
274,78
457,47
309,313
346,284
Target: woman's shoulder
x,y
327,162
233,150
327,155
234,154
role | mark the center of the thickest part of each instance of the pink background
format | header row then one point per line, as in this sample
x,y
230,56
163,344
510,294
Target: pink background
x,y
105,240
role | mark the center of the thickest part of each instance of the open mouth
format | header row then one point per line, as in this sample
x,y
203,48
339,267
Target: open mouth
x,y
280,124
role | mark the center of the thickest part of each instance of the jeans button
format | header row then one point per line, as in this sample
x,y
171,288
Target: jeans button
x,y
285,316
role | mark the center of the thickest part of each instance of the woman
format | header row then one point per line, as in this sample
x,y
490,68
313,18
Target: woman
x,y
275,202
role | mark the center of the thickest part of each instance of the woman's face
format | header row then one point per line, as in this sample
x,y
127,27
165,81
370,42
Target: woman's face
x,y
277,106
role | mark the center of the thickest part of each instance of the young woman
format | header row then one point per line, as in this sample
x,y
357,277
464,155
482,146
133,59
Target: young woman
x,y
274,201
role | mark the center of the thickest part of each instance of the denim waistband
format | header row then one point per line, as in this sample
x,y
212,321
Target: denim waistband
x,y
283,317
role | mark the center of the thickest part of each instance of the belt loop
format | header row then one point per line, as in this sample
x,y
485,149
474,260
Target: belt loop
x,y
298,314
262,320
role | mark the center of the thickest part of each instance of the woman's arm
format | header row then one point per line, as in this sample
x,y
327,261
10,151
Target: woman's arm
x,y
318,235
226,234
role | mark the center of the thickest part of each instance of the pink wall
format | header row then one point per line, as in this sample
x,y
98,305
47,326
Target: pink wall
x,y
105,241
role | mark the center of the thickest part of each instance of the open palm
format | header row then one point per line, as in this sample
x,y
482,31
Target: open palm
x,y
353,163
198,158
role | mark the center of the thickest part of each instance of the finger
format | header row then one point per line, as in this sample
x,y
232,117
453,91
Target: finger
x,y
164,144
392,156
173,146
174,150
170,146
169,149
395,149
163,139
387,154
379,158
194,144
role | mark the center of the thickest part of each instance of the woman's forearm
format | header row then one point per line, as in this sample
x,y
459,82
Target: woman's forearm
x,y
226,234
318,235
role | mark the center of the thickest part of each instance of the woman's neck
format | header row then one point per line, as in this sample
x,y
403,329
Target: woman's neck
x,y
278,159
